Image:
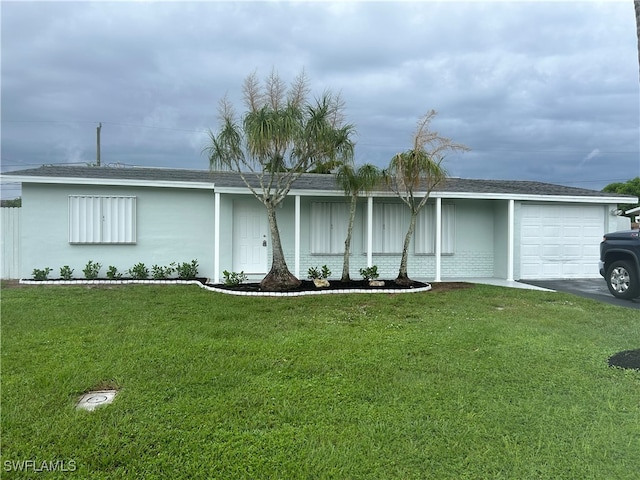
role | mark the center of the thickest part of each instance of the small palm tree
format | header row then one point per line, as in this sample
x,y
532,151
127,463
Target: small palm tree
x,y
413,174
354,182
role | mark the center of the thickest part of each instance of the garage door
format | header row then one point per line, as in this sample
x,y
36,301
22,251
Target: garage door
x,y
560,241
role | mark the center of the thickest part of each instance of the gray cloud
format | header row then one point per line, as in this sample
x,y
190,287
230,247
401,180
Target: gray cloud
x,y
533,88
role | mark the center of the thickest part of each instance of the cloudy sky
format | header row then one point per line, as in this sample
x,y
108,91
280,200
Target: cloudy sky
x,y
545,91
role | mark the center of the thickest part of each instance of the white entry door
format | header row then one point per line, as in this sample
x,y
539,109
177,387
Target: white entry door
x,y
250,238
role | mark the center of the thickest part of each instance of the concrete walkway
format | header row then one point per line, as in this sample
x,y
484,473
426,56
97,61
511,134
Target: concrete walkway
x,y
499,282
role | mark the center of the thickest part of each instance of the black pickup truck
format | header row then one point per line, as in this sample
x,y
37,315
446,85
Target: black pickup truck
x,y
620,263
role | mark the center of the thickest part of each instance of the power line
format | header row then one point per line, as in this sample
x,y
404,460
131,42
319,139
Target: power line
x,y
107,123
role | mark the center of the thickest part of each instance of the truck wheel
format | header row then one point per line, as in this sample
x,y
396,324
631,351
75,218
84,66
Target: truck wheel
x,y
622,280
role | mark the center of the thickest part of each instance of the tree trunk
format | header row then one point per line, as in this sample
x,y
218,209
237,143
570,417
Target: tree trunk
x,y
279,277
403,277
347,242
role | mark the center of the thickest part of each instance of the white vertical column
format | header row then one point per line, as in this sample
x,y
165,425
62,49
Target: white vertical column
x,y
297,238
510,240
438,239
369,232
216,239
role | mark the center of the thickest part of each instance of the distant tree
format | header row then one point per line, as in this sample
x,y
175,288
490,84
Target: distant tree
x,y
630,187
280,136
354,182
414,173
16,202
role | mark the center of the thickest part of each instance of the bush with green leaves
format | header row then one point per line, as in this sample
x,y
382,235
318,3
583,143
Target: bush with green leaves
x,y
233,279
187,270
91,270
139,271
66,272
314,273
369,273
162,273
41,275
113,274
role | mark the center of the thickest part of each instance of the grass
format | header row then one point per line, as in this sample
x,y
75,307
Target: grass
x,y
477,383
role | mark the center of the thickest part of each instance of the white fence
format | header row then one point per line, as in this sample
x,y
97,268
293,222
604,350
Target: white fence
x,y
10,242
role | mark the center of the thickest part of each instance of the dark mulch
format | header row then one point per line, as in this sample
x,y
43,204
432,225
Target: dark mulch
x,y
627,359
308,286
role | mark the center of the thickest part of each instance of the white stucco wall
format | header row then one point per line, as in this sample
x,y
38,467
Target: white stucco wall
x,y
173,225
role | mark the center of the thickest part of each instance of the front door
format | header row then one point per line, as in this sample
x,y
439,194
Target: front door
x,y
250,238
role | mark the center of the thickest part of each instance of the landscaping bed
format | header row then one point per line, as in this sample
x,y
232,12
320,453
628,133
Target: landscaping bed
x,y
309,286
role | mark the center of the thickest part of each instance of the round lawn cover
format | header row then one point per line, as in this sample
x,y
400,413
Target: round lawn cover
x,y
626,359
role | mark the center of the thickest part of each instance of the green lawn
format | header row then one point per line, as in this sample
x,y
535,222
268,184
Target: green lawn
x,y
482,383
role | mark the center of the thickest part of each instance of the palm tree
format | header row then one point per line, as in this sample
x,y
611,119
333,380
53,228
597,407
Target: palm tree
x,y
414,173
281,136
354,182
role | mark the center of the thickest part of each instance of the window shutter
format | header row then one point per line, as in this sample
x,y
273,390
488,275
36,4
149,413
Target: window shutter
x,y
118,224
394,227
425,234
95,219
339,226
448,228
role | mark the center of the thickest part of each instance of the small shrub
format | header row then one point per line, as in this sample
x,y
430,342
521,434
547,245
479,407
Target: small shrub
x,y
233,278
139,271
162,273
91,270
66,272
370,273
313,272
187,270
112,273
41,275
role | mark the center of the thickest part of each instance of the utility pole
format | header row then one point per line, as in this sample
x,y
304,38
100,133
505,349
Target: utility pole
x,y
98,144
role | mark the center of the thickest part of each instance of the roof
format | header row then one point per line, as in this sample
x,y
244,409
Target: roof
x,y
308,183
633,210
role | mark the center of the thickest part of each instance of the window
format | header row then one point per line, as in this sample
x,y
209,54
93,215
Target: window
x,y
101,219
329,224
425,234
390,223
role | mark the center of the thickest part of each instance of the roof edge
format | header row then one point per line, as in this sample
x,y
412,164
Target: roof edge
x,y
107,181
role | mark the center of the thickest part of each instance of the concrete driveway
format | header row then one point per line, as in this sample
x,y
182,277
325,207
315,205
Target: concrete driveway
x,y
595,288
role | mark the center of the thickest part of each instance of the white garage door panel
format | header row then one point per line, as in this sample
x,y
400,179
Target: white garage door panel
x,y
560,241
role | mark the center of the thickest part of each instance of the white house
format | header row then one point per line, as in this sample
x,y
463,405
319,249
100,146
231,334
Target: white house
x,y
470,228
636,211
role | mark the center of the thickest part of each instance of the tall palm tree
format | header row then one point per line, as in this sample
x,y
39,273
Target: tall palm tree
x,y
281,136
354,182
414,173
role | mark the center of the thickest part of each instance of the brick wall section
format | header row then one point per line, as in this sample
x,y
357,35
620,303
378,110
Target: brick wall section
x,y
458,265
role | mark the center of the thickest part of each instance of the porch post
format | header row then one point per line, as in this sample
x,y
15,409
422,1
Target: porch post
x,y
297,238
369,232
438,239
510,240
216,239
